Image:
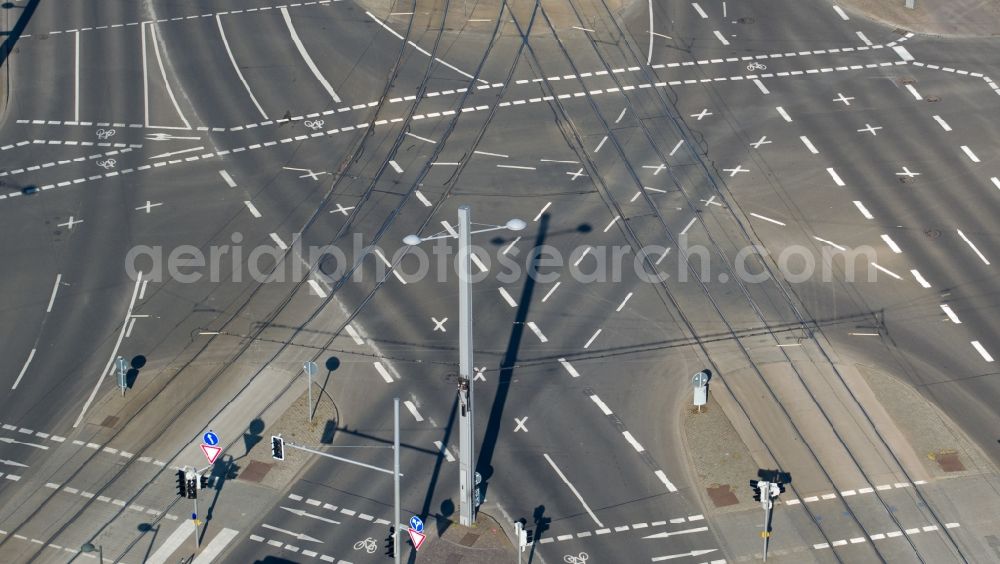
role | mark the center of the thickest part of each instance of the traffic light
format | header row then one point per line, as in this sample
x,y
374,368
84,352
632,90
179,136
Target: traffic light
x,y
192,485
390,543
203,482
181,483
277,448
756,489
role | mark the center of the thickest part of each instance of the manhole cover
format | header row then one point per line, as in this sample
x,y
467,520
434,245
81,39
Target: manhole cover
x,y
949,462
722,495
932,99
909,80
469,539
900,31
932,233
747,20
255,471
109,421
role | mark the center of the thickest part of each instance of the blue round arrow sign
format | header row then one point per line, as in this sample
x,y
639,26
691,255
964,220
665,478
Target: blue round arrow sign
x,y
210,438
416,524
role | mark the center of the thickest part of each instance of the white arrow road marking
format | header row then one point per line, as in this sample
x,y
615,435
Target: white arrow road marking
x,y
13,463
300,536
686,554
9,440
191,150
666,534
303,513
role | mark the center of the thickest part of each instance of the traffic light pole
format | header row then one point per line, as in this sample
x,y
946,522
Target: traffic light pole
x,y
767,524
395,477
467,468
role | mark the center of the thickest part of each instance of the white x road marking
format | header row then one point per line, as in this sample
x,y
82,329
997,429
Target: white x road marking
x,y
656,169
149,206
520,424
577,174
868,128
702,114
69,224
845,99
308,172
734,171
342,209
907,173
439,325
763,141
479,374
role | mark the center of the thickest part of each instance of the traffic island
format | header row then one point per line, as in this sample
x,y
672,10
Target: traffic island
x,y
451,543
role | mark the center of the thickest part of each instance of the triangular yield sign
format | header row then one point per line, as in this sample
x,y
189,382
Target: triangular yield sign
x,y
416,538
211,452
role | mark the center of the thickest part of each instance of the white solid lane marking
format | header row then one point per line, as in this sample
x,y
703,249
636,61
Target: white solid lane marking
x,y
383,372
625,301
542,212
24,369
887,271
355,336
317,289
944,125
415,136
507,297
698,9
721,38
500,155
864,38
229,179
631,440
385,261
902,52
131,324
774,221
951,314
253,209
840,12
663,478
305,56
982,350
236,67
601,144
590,341
277,241
968,152
142,289
163,73
995,181
423,199
621,115
688,226
831,243
444,450
573,489
601,405
569,368
974,248
582,256
864,211
215,548
913,91
677,146
76,79
395,166
666,534
413,410
173,542
55,289
611,223
920,278
538,332
145,77
551,290
783,114
892,244
809,145
114,351
761,86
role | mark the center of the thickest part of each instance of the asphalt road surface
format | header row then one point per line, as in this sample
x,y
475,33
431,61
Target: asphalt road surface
x,y
786,194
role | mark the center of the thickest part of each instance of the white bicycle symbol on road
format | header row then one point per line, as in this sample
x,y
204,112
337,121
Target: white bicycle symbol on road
x,y
107,164
314,125
369,545
578,559
756,66
105,133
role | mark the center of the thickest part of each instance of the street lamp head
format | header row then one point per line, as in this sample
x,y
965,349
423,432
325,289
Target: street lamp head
x,y
412,240
516,224
88,547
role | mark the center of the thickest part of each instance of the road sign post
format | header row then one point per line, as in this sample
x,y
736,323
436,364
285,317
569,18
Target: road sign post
x,y
395,475
310,369
700,382
122,368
